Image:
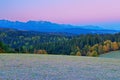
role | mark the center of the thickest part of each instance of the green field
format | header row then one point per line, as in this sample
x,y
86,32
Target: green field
x,y
113,54
57,67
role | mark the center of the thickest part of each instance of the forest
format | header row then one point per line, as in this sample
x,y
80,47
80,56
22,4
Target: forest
x,y
17,41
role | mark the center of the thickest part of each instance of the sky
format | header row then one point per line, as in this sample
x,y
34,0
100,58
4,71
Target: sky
x,y
104,13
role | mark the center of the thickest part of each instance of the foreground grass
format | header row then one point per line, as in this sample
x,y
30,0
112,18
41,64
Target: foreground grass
x,y
57,67
113,54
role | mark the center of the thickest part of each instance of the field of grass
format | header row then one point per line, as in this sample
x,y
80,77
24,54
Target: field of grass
x,y
57,67
113,54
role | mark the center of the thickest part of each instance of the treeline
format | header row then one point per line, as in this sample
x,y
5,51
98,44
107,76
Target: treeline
x,y
59,43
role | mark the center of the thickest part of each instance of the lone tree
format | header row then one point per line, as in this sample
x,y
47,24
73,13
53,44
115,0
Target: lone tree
x,y
78,53
93,54
115,46
41,52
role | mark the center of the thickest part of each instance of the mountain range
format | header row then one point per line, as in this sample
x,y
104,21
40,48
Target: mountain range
x,y
46,26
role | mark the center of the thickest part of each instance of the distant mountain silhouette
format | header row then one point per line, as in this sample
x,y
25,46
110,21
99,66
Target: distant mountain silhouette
x,y
45,26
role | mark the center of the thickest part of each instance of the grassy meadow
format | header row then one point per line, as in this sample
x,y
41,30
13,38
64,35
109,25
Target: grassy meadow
x,y
57,67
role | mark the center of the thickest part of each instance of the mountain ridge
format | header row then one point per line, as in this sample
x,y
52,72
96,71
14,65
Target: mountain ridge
x,y
46,26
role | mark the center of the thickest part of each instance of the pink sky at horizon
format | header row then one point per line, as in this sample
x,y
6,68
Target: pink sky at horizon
x,y
61,11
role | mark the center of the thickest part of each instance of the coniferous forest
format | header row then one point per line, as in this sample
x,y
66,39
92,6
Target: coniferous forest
x,y
16,41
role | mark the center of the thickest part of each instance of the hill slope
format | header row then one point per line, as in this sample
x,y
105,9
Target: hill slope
x,y
113,54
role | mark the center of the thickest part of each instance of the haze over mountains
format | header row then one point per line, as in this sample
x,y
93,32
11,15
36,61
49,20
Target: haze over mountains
x,y
45,26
